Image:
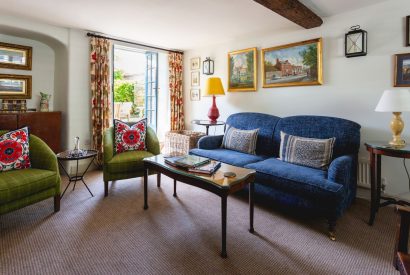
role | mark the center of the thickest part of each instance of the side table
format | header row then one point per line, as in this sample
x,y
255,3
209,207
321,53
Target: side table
x,y
377,150
68,156
208,123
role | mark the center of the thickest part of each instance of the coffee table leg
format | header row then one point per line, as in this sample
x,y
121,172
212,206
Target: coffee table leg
x,y
145,188
175,188
251,205
223,208
159,180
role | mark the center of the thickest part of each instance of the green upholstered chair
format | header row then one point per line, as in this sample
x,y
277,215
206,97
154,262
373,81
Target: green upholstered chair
x,y
20,188
129,164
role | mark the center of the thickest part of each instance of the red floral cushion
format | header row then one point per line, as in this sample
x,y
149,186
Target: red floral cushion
x,y
130,138
14,150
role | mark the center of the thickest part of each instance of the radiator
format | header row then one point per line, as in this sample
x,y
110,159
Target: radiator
x,y
363,173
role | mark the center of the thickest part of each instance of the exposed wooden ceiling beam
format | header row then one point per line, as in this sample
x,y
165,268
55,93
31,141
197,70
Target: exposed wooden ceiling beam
x,y
294,11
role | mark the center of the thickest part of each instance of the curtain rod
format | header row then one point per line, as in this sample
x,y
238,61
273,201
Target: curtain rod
x,y
133,43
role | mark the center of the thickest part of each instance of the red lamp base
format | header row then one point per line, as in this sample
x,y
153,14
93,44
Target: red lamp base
x,y
213,112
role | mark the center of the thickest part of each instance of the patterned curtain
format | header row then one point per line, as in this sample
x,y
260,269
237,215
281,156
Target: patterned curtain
x,y
175,91
100,91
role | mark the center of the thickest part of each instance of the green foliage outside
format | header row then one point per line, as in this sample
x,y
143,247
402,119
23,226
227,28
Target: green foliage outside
x,y
123,89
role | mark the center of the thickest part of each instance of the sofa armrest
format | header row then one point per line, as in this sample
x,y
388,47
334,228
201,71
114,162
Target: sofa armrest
x,y
108,143
41,156
210,142
341,169
152,142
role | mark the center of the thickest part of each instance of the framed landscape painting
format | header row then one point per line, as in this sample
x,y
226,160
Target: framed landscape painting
x,y
402,70
297,64
15,56
15,86
242,70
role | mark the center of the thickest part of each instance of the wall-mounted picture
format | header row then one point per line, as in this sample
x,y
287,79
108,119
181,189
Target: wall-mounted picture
x,y
195,78
195,63
297,64
242,70
195,94
15,86
408,31
15,56
402,70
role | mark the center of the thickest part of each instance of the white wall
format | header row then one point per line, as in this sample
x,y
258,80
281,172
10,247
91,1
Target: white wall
x,y
351,89
42,71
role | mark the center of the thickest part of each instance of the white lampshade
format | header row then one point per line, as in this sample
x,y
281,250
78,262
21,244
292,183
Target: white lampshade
x,y
394,101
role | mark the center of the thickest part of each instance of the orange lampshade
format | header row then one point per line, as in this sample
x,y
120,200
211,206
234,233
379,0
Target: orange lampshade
x,y
214,87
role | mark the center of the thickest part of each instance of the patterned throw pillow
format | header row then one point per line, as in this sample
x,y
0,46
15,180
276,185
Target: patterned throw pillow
x,y
14,150
130,138
240,140
311,152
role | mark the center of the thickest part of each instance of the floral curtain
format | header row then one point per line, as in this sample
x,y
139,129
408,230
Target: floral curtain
x,y
175,89
100,91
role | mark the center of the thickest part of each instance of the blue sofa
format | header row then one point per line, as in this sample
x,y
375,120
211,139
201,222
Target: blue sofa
x,y
326,193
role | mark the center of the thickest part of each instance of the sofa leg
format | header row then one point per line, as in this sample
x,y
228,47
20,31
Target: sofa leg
x,y
57,199
105,188
332,231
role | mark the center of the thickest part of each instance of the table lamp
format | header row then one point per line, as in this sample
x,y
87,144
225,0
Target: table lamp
x,y
213,88
396,101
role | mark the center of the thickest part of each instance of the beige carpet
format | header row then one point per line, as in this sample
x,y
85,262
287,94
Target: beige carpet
x,y
115,235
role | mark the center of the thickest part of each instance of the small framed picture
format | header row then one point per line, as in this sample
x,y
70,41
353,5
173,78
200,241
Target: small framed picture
x,y
408,31
14,86
195,63
195,94
195,78
402,70
15,56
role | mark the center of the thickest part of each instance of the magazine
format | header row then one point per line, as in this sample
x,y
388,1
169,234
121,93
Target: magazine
x,y
187,161
208,169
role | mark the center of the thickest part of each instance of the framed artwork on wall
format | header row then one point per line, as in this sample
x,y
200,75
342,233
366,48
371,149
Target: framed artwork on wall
x,y
195,63
402,70
408,31
15,56
242,70
195,94
296,64
15,86
195,78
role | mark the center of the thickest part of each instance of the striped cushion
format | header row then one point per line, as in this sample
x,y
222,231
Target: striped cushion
x,y
240,140
311,152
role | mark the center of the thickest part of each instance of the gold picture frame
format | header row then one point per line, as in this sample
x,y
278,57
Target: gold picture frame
x,y
14,56
402,70
242,70
14,86
295,64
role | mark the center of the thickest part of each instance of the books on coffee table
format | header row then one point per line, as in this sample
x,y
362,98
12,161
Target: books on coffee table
x,y
207,169
187,161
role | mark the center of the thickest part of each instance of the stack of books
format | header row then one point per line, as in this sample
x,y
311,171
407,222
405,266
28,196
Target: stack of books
x,y
194,164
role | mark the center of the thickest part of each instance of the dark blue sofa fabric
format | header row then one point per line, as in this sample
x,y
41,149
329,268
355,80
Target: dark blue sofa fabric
x,y
266,125
228,156
210,142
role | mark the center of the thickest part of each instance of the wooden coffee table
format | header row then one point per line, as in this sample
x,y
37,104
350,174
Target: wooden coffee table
x,y
216,183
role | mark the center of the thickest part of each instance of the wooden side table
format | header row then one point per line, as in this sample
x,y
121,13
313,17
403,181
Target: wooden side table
x,y
207,124
377,150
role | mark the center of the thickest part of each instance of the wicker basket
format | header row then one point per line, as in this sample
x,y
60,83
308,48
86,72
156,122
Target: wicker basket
x,y
180,142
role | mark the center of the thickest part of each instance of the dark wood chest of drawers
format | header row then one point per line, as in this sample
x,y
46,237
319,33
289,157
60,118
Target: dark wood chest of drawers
x,y
45,125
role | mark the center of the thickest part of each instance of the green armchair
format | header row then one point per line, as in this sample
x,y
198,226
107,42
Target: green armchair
x,y
20,188
129,164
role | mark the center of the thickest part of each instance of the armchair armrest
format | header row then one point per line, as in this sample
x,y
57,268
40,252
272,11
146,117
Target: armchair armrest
x,y
41,156
108,143
152,142
340,169
210,142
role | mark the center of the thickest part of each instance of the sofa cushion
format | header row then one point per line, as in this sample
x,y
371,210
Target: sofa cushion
x,y
240,140
130,138
301,180
227,156
17,184
129,161
311,152
14,150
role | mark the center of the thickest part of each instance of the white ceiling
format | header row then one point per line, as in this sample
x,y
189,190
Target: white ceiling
x,y
177,24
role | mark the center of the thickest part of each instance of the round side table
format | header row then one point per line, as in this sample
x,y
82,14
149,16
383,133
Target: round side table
x,y
207,123
69,156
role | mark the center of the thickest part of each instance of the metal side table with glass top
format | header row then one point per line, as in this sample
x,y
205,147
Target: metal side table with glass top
x,y
76,155
208,123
